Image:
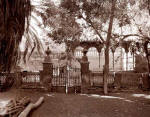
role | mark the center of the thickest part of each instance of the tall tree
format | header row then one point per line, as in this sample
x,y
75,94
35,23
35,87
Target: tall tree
x,y
106,67
105,18
15,23
14,14
96,15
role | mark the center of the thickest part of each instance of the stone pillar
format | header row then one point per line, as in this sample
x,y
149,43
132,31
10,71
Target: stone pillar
x,y
85,73
18,77
47,73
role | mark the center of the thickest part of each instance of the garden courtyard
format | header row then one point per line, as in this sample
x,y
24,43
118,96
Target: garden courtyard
x,y
75,58
122,104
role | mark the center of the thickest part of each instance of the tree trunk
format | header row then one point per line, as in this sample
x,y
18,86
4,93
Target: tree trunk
x,y
30,107
99,60
126,61
106,67
113,61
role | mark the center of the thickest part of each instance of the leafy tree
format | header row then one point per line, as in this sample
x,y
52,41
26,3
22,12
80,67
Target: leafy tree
x,y
139,20
15,24
96,15
103,17
14,14
141,64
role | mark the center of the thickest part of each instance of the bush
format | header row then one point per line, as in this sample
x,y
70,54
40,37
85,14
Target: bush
x,y
141,64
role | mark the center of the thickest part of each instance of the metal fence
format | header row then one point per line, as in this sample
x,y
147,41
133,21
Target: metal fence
x,y
96,78
6,80
30,79
63,76
71,77
126,79
131,80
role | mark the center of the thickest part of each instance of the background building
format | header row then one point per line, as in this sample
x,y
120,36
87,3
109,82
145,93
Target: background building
x,y
121,61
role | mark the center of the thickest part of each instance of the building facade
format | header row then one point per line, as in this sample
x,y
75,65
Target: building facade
x,y
119,61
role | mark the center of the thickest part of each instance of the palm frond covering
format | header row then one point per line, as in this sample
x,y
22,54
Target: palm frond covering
x,y
13,17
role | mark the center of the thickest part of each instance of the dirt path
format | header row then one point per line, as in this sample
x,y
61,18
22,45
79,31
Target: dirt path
x,y
61,105
80,105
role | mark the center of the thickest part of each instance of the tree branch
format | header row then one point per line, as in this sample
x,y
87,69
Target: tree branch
x,y
91,24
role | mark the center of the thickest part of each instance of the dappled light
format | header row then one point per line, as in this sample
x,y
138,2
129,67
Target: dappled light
x,y
49,95
3,103
142,95
3,107
106,97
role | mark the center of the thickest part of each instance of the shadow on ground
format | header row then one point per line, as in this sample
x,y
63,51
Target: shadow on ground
x,y
123,104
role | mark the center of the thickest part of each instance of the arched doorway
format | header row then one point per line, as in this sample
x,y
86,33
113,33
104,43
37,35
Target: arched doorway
x,y
94,60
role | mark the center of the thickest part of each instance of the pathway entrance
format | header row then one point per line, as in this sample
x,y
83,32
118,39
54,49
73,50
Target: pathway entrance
x,y
66,80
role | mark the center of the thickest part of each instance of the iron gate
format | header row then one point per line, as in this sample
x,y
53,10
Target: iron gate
x,y
66,79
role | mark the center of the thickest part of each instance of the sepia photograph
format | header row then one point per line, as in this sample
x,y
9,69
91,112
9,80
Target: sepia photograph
x,y
74,58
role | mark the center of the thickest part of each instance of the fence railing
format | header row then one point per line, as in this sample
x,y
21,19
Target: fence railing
x,y
30,79
125,79
131,80
6,80
96,78
63,76
72,77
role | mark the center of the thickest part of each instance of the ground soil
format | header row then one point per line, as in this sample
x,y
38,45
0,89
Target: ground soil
x,y
122,104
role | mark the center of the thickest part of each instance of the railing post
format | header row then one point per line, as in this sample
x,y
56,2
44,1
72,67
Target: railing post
x,y
85,73
18,79
47,73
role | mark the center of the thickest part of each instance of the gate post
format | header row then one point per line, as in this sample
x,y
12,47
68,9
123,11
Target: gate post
x,y
85,73
18,77
47,73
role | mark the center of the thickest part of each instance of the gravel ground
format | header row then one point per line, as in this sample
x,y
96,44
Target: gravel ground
x,y
124,104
